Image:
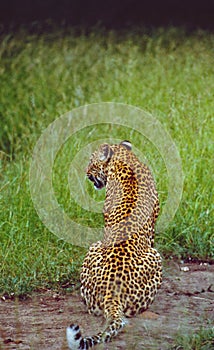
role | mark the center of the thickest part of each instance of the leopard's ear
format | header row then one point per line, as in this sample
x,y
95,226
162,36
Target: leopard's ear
x,y
105,153
126,144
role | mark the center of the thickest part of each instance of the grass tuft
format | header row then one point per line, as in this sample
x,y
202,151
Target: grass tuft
x,y
201,340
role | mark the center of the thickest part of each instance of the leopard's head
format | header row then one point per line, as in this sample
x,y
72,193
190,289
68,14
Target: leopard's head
x,y
97,170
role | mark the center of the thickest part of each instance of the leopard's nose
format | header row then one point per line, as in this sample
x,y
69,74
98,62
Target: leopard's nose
x,y
90,177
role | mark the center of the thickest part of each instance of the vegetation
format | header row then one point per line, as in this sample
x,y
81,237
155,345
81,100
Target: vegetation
x,y
201,340
167,72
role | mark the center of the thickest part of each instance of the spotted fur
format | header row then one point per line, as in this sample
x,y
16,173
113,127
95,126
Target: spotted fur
x,y
121,274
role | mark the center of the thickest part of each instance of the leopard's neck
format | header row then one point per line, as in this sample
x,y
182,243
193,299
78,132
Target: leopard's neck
x,y
126,209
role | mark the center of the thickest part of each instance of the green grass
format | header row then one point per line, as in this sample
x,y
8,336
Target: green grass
x,y
201,340
168,73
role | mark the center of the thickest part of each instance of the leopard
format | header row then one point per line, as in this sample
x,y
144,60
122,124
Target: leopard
x,y
122,273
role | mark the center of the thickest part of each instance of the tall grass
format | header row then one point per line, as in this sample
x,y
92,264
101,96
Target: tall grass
x,y
168,72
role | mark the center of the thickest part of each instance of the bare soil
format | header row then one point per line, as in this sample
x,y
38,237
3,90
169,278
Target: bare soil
x,y
184,304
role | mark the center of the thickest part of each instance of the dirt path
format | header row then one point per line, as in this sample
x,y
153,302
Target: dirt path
x,y
184,304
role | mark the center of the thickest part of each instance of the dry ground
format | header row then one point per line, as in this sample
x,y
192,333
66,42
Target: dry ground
x,y
184,304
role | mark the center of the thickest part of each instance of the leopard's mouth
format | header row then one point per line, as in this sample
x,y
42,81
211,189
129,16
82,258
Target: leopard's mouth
x,y
97,181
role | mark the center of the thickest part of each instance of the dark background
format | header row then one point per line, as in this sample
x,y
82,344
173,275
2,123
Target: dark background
x,y
109,13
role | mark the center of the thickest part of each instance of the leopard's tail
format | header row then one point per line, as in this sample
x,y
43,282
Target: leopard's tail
x,y
76,341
